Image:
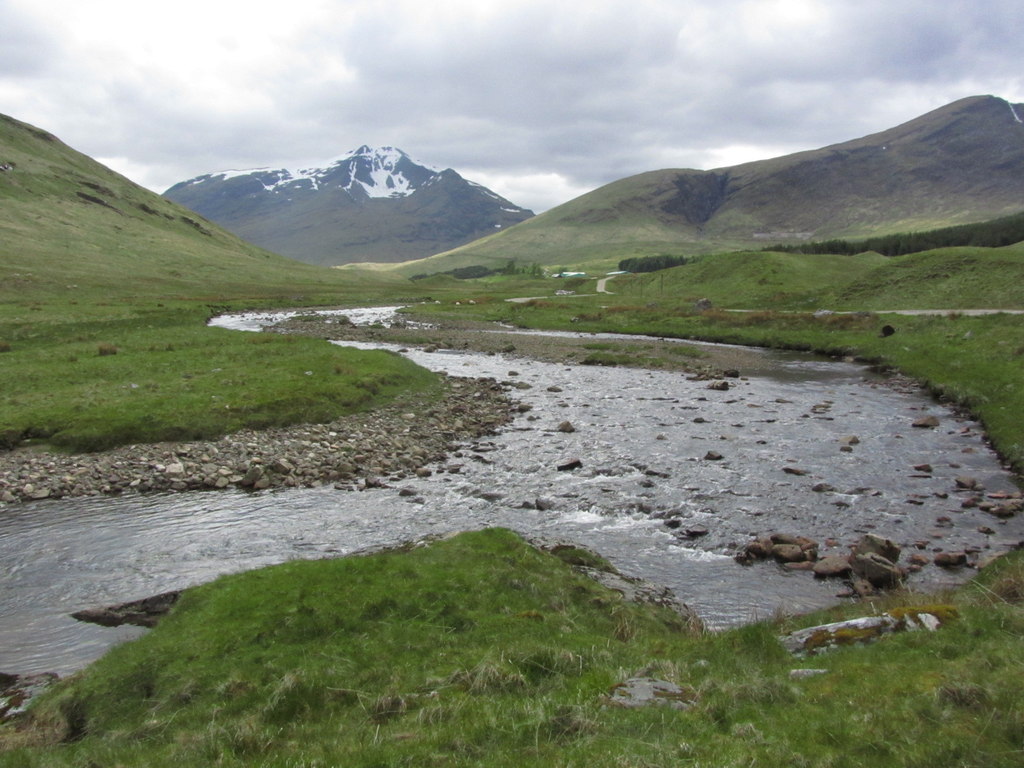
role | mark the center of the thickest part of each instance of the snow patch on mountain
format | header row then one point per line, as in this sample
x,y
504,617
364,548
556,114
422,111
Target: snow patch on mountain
x,y
376,172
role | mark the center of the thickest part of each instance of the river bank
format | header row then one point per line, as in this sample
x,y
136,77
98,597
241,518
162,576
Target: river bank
x,y
667,475
400,439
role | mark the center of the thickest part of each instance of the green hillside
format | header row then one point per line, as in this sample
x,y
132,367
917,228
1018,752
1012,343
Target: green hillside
x,y
947,278
959,164
105,289
613,222
71,228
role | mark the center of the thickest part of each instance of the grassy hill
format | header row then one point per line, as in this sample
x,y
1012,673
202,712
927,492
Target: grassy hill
x,y
104,293
958,164
946,278
70,229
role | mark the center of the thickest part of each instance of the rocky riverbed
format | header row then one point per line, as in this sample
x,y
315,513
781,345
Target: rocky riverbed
x,y
392,441
701,360
666,474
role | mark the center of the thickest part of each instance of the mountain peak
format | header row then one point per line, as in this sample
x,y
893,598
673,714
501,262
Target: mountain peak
x,y
374,203
384,152
381,172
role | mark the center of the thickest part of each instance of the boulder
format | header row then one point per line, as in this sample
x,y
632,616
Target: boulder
x,y
967,483
282,466
647,691
833,566
871,543
867,629
950,559
788,553
252,475
876,570
758,549
826,636
142,613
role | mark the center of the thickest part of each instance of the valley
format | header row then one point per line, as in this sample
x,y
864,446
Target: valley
x,y
144,449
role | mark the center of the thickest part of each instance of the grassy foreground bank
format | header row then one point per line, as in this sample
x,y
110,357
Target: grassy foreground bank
x,y
481,650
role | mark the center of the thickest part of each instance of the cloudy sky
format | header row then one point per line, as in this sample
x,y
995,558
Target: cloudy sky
x,y
538,100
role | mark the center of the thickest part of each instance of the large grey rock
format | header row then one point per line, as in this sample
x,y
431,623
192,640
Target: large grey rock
x,y
876,570
142,613
866,629
647,691
833,566
871,543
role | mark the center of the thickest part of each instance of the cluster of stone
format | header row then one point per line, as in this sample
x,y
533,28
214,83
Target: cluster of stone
x,y
393,441
871,564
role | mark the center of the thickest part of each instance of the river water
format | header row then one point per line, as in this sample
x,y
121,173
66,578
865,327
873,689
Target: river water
x,y
643,440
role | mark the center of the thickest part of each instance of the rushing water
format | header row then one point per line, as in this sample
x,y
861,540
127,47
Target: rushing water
x,y
643,439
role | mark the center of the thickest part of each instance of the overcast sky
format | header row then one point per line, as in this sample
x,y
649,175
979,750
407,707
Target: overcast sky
x,y
540,101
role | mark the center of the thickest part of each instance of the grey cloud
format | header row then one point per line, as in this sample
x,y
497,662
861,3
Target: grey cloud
x,y
593,95
26,47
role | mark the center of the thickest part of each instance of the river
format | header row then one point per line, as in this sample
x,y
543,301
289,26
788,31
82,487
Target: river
x,y
645,442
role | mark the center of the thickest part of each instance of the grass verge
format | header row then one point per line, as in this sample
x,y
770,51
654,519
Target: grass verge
x,y
482,650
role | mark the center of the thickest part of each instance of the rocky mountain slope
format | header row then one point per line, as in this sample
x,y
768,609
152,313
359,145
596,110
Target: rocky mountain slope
x,y
961,163
374,204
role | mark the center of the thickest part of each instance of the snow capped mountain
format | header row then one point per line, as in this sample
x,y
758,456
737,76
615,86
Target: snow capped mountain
x,y
372,204
372,172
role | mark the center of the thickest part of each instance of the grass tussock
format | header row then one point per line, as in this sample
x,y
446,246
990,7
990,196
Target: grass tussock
x,y
481,650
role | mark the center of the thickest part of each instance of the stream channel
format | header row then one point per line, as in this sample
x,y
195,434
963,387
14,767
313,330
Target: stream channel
x,y
644,441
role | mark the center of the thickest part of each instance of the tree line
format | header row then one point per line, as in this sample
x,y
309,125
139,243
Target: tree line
x,y
476,271
996,233
651,263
